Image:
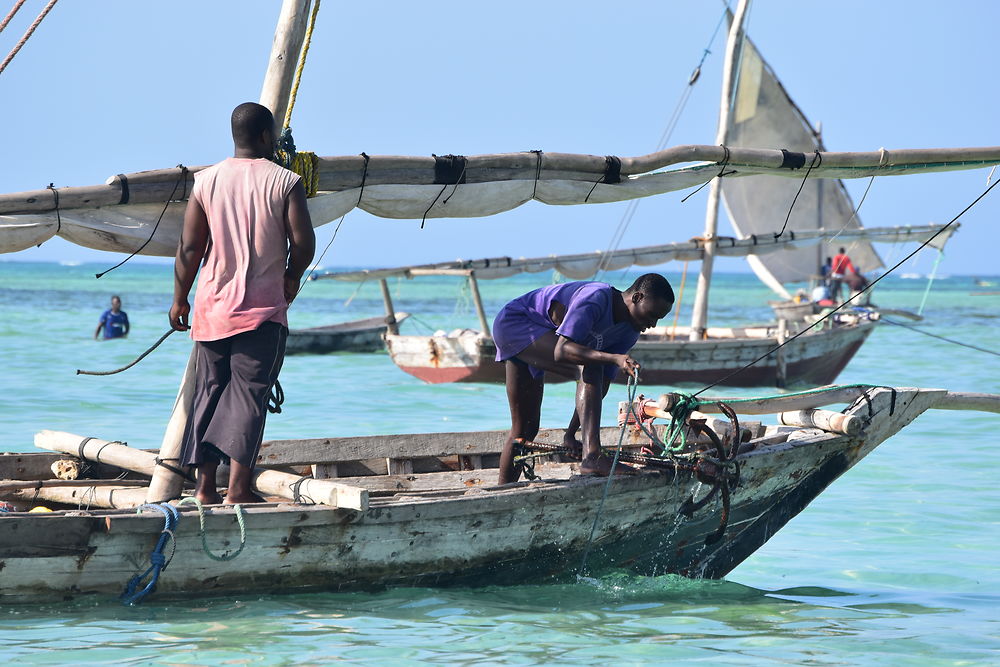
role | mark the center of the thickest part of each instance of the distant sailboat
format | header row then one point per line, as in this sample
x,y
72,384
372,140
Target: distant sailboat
x,y
761,113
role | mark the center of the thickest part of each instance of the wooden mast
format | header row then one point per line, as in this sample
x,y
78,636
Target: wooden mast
x,y
484,322
390,312
285,51
699,313
289,34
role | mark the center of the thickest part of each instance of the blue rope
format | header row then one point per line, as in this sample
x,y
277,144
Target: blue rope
x,y
157,560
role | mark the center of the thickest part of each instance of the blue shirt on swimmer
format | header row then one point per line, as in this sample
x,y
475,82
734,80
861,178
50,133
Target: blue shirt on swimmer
x,y
114,324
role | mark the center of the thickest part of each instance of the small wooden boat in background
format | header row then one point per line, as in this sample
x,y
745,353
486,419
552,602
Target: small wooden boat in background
x,y
367,335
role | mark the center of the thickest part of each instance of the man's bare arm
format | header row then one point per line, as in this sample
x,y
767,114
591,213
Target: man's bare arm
x,y
301,240
567,350
190,252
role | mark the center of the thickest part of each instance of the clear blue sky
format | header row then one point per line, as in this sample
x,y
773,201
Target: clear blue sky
x,y
119,86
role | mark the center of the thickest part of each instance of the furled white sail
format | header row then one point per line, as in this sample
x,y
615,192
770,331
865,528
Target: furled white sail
x,y
764,114
585,265
121,214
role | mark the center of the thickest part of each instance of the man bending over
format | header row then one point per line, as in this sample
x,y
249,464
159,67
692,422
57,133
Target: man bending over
x,y
580,330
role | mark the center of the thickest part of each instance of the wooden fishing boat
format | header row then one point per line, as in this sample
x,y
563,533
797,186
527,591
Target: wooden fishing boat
x,y
425,509
367,335
667,355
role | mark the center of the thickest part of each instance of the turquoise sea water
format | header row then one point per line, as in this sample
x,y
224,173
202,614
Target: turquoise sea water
x,y
897,563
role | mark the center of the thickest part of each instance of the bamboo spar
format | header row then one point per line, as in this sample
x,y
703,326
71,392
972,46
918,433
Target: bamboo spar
x,y
699,311
288,37
267,482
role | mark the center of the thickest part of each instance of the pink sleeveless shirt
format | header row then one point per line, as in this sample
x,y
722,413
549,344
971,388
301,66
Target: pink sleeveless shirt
x,y
241,282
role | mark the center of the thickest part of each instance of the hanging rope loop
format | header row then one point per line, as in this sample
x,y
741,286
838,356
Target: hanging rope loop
x,y
158,562
191,500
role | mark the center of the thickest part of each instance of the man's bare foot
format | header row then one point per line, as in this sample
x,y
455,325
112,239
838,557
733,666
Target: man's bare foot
x,y
209,498
599,465
574,446
243,499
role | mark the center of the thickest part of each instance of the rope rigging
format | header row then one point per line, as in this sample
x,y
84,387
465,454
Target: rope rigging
x,y
303,163
853,297
618,236
28,32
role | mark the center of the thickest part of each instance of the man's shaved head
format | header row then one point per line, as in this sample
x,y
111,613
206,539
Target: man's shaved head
x,y
249,121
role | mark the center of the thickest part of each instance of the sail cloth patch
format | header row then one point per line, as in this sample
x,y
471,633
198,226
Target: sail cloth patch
x,y
790,160
449,169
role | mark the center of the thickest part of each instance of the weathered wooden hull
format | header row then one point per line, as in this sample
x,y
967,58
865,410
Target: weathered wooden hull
x,y
815,358
470,534
357,336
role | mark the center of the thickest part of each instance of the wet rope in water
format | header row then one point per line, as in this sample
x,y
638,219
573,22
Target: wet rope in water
x,y
133,363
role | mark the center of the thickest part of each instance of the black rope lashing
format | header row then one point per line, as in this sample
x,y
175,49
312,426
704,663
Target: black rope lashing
x,y
275,398
134,361
538,171
123,181
97,455
448,170
170,200
461,179
79,449
816,161
364,178
722,172
297,497
792,160
612,174
174,469
55,195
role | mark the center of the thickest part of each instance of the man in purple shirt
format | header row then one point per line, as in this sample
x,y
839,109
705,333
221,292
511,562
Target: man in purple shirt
x,y
580,330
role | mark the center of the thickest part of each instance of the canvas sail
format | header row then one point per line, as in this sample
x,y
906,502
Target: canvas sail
x,y
764,115
121,214
580,266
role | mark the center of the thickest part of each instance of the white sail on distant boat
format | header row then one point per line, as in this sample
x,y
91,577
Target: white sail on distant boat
x,y
761,113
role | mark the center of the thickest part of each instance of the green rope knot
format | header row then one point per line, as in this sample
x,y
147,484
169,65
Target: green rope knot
x,y
684,405
201,529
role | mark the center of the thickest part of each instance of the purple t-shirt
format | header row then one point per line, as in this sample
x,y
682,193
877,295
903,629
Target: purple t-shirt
x,y
589,321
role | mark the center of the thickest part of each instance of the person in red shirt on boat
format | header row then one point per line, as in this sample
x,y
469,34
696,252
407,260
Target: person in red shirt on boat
x,y
580,330
248,227
839,268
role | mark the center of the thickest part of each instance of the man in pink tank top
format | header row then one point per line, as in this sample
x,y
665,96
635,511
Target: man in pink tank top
x,y
248,228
